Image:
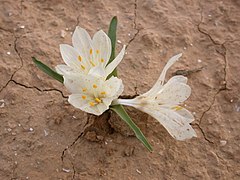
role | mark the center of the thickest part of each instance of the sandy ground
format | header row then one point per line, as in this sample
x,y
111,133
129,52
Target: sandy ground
x,y
40,133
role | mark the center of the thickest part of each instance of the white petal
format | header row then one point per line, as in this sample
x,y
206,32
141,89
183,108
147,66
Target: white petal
x,y
177,126
76,83
102,47
102,108
66,70
114,87
173,93
70,56
110,67
97,71
179,78
158,85
82,42
77,101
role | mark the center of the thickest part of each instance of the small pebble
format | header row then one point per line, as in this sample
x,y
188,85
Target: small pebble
x,y
45,132
199,60
31,129
9,129
184,48
191,44
209,15
231,100
22,26
9,14
223,142
129,34
63,33
14,134
139,172
8,53
119,41
66,170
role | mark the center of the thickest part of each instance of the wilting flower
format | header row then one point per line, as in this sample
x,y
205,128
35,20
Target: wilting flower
x,y
163,101
89,56
92,94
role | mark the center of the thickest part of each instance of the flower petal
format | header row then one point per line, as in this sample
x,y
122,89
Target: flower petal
x,y
102,47
77,101
70,56
177,126
65,70
114,87
82,42
173,93
158,85
110,67
97,71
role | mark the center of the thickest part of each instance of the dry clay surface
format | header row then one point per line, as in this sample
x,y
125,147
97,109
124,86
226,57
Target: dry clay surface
x,y
41,135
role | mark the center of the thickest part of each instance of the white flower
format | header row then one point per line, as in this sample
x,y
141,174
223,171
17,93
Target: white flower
x,y
163,101
91,94
89,56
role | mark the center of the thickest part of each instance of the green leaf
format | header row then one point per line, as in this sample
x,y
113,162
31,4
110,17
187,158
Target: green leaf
x,y
112,33
48,70
123,114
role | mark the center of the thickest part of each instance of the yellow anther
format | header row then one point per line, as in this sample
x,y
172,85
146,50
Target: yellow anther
x,y
90,51
94,86
84,97
92,104
92,63
83,67
103,93
97,51
102,60
177,108
80,58
84,89
98,100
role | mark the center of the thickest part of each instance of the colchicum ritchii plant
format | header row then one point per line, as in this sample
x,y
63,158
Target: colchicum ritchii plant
x,y
90,75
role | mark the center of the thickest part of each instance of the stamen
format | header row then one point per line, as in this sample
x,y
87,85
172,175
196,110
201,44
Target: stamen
x,y
90,51
92,104
103,93
94,86
102,60
84,97
80,58
92,63
97,51
177,108
84,89
83,67
98,100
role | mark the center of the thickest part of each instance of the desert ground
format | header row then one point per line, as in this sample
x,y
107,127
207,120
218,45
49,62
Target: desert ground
x,y
43,137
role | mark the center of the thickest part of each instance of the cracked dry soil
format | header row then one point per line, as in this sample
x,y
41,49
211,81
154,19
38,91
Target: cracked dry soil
x,y
43,137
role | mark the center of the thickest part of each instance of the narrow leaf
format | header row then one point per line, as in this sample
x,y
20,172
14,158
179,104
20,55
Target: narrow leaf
x,y
123,114
48,70
112,33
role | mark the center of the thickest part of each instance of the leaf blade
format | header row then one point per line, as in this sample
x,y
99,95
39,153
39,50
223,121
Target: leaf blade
x,y
48,70
123,114
112,33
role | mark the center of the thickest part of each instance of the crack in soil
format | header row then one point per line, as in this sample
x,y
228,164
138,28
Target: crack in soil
x,y
134,25
87,124
223,54
38,89
20,67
